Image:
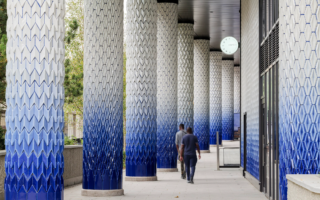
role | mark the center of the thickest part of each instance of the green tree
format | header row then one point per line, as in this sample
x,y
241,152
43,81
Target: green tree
x,y
74,45
73,74
3,57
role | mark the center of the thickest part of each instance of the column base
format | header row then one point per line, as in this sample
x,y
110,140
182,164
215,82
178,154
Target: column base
x,y
137,179
167,169
205,151
101,193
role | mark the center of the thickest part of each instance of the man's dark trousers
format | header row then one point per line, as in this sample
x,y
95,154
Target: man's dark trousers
x,y
190,162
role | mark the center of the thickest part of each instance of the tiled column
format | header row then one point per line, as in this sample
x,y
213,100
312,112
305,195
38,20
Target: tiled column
x,y
202,93
227,99
299,89
185,74
167,66
215,96
141,125
103,98
35,97
236,89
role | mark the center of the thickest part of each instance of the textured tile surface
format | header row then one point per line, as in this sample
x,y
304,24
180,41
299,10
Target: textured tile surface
x,y
215,96
185,74
103,95
35,97
201,92
250,82
227,99
167,69
299,72
141,125
236,88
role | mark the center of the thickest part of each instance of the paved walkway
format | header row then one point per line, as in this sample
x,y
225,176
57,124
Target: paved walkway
x,y
210,184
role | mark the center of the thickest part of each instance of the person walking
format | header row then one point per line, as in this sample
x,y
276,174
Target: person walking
x,y
188,153
179,136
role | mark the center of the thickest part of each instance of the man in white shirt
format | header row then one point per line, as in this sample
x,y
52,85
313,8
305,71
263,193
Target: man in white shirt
x,y
179,136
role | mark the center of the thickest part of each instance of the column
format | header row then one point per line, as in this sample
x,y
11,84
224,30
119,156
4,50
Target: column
x,y
103,98
185,74
215,96
167,67
236,94
141,125
201,93
227,99
236,89
35,97
299,90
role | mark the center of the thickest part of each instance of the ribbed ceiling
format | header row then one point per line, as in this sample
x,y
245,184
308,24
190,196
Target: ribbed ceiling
x,y
213,18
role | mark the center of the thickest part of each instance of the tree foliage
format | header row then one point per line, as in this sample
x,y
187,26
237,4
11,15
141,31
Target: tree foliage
x,y
73,74
74,45
3,58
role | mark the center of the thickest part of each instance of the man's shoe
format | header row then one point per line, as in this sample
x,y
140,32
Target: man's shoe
x,y
184,176
191,181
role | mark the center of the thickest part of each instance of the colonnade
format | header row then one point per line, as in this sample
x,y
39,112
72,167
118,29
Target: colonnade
x,y
171,79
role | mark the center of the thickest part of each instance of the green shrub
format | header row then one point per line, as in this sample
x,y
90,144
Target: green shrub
x,y
69,140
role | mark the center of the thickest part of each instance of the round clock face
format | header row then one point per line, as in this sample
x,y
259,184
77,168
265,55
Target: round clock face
x,y
229,45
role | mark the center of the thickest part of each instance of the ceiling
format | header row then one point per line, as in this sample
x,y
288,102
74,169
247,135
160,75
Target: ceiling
x,y
215,19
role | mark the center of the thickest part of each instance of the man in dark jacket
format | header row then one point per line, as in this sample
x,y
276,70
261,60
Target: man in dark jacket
x,y
188,153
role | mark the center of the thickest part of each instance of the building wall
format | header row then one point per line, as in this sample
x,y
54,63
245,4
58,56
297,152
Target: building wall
x,y
299,90
250,82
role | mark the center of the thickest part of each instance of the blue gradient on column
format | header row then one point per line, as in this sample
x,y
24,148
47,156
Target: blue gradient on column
x,y
34,139
102,145
201,130
141,145
214,127
167,151
227,126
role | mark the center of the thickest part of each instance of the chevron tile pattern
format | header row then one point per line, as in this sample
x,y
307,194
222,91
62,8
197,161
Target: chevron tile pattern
x,y
227,99
236,90
167,83
299,72
35,97
185,74
141,125
103,95
201,92
215,96
250,84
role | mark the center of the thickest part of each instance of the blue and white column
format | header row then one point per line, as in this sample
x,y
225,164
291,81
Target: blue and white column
x,y
236,95
185,74
236,89
227,99
299,90
35,96
103,98
141,125
215,96
202,93
167,67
